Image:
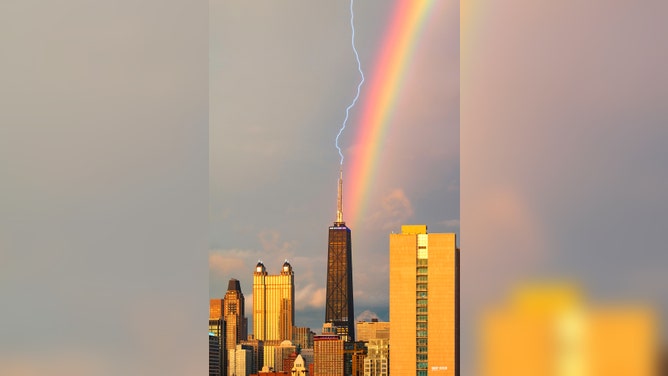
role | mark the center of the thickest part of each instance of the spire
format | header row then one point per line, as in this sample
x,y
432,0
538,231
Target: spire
x,y
339,199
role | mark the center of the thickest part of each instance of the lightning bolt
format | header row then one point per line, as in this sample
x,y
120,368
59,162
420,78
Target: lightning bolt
x,y
359,68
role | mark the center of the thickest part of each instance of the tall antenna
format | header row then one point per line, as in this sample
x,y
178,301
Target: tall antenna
x,y
339,199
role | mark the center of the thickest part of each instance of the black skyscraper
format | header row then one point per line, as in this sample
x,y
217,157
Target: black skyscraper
x,y
339,310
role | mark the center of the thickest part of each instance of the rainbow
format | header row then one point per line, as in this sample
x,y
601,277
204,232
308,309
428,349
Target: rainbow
x,y
386,78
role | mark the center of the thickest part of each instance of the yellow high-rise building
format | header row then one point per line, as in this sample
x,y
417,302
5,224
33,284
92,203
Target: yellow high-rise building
x,y
273,303
549,329
424,303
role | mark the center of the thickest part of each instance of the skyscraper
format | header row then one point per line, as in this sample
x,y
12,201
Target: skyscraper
x,y
273,304
218,329
339,308
233,314
214,356
424,303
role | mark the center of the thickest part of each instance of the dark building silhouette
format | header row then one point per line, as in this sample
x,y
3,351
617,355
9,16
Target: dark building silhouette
x,y
217,331
339,310
214,356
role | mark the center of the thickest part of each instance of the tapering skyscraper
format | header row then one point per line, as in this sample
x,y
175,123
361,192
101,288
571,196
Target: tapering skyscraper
x,y
424,303
339,310
234,315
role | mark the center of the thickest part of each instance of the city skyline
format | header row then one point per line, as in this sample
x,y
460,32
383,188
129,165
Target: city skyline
x,y
289,101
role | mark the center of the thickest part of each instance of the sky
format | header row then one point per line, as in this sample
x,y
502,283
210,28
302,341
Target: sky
x,y
281,79
563,153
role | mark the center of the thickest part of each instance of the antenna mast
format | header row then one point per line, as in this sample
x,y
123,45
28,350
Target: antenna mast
x,y
339,199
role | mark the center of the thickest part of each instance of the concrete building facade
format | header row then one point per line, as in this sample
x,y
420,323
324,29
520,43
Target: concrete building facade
x,y
424,298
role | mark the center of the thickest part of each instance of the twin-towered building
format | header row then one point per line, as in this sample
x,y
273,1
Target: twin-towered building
x,y
273,303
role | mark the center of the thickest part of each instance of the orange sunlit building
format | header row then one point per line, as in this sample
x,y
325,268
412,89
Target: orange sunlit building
x,y
549,330
424,303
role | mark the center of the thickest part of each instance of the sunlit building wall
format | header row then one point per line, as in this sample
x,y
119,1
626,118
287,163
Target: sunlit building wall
x,y
240,361
549,330
258,352
302,337
372,330
273,303
377,361
328,355
424,303
215,308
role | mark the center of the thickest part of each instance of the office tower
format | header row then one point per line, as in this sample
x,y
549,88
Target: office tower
x,y
377,361
240,361
424,303
339,299
302,337
273,304
217,328
373,330
233,313
328,355
214,355
258,352
551,330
